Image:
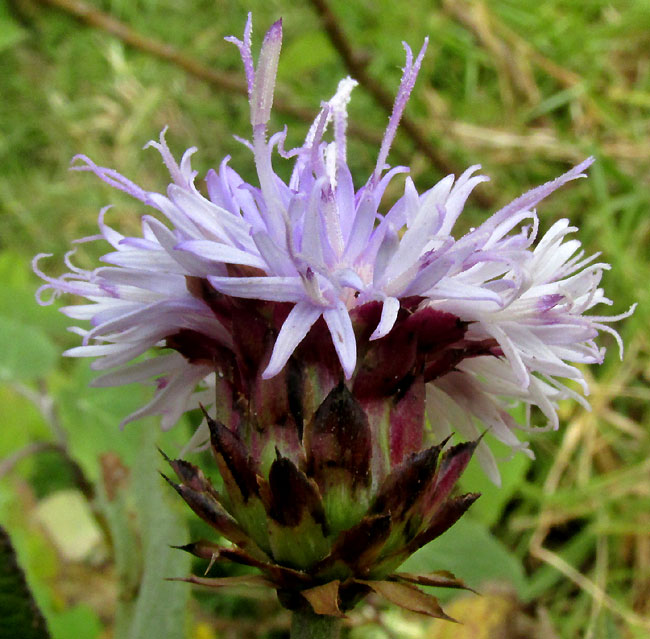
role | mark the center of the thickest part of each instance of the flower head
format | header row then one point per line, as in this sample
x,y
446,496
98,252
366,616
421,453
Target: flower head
x,y
494,314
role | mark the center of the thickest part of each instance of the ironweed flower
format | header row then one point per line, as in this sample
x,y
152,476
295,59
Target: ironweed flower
x,y
479,320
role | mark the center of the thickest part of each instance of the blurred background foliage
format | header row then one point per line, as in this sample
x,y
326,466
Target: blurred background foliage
x,y
525,88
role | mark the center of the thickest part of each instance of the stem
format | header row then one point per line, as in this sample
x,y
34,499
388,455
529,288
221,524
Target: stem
x,y
306,624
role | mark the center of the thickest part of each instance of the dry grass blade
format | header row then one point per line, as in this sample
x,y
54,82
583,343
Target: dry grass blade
x,y
585,457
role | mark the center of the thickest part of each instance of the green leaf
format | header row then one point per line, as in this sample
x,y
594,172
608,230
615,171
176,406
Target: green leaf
x,y
27,352
489,508
160,607
11,33
18,300
19,614
91,417
73,623
306,53
114,498
21,424
473,554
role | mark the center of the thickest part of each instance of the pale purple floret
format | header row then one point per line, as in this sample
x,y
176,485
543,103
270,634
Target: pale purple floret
x,y
324,247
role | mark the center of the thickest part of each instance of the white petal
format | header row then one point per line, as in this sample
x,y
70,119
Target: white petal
x,y
345,343
222,253
172,401
388,316
276,259
141,371
272,289
293,331
364,222
512,354
530,199
267,68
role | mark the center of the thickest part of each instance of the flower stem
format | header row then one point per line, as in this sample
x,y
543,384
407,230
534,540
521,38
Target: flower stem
x,y
306,624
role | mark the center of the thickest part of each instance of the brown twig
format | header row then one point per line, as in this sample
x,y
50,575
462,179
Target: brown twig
x,y
232,83
222,80
574,461
95,18
358,71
